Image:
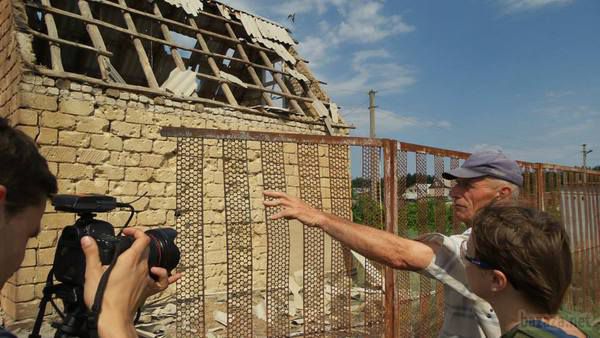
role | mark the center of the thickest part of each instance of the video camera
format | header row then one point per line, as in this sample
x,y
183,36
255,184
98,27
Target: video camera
x,y
69,259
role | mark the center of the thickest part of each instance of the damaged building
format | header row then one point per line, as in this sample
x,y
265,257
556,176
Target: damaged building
x,y
94,81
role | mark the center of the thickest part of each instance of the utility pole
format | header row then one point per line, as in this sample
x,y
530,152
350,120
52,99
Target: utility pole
x,y
372,107
585,153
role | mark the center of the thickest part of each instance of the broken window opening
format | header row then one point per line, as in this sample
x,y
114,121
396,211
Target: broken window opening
x,y
230,52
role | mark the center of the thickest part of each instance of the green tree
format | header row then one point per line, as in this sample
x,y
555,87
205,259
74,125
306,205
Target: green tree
x,y
366,210
360,182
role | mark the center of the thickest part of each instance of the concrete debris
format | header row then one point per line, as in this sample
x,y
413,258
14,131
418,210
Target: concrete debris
x,y
159,315
297,300
370,269
145,334
220,317
259,310
182,83
299,277
191,7
168,310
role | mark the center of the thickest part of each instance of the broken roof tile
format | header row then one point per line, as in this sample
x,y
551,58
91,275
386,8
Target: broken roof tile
x,y
191,7
232,78
229,47
224,10
297,75
182,83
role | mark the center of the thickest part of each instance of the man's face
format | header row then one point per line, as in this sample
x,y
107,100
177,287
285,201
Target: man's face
x,y
15,230
471,194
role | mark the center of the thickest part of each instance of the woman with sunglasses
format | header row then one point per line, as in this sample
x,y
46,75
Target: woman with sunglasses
x,y
518,259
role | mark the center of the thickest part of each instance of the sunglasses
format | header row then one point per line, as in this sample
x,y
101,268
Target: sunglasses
x,y
473,260
483,265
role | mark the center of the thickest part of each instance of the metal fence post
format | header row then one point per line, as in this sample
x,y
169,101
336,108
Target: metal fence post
x,y
541,186
390,180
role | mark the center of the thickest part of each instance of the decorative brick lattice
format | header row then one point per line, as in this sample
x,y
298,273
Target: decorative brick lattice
x,y
341,259
239,239
278,251
440,220
371,157
422,206
314,242
405,304
190,227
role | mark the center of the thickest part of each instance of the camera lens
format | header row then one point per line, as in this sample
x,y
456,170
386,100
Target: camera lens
x,y
163,251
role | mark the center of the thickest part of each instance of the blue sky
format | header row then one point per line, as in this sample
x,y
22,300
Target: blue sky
x,y
522,76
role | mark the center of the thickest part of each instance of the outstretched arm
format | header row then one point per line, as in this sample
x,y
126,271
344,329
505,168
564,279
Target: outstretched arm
x,y
381,246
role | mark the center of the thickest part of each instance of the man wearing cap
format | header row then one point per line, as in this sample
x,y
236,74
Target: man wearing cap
x,y
484,178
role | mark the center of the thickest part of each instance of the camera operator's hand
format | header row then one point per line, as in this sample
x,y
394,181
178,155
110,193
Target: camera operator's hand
x,y
164,280
128,284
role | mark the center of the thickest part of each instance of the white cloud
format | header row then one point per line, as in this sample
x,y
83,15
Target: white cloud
x,y
556,94
315,50
387,122
285,8
364,22
382,75
486,147
360,22
555,134
511,6
567,113
245,5
363,55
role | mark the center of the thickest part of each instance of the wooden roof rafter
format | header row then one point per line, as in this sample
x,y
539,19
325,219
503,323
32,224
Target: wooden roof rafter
x,y
246,66
148,37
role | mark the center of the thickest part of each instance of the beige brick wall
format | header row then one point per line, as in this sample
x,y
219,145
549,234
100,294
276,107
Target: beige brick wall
x,y
10,62
108,142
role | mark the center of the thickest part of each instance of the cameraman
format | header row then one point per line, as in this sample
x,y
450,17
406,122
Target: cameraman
x,y
25,185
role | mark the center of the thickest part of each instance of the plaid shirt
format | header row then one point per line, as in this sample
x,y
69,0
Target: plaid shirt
x,y
465,314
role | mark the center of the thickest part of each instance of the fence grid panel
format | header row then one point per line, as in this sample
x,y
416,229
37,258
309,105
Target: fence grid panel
x,y
220,179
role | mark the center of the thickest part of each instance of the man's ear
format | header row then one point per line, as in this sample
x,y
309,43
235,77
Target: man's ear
x,y
504,193
499,281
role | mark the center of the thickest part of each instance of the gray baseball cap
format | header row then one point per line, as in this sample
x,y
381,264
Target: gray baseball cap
x,y
488,163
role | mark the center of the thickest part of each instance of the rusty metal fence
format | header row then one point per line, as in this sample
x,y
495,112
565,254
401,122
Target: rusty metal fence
x,y
336,292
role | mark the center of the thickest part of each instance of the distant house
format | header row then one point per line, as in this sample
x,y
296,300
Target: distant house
x,y
435,189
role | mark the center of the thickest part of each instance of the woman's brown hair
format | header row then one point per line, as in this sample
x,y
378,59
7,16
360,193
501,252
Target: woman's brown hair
x,y
529,246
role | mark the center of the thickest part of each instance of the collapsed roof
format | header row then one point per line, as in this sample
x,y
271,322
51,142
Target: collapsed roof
x,y
202,51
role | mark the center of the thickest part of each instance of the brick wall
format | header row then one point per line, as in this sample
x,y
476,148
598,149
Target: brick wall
x,y
107,141
10,63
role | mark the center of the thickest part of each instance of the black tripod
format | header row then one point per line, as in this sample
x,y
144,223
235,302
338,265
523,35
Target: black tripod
x,y
74,320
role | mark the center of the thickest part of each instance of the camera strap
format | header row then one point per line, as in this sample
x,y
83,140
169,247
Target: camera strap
x,y
94,313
